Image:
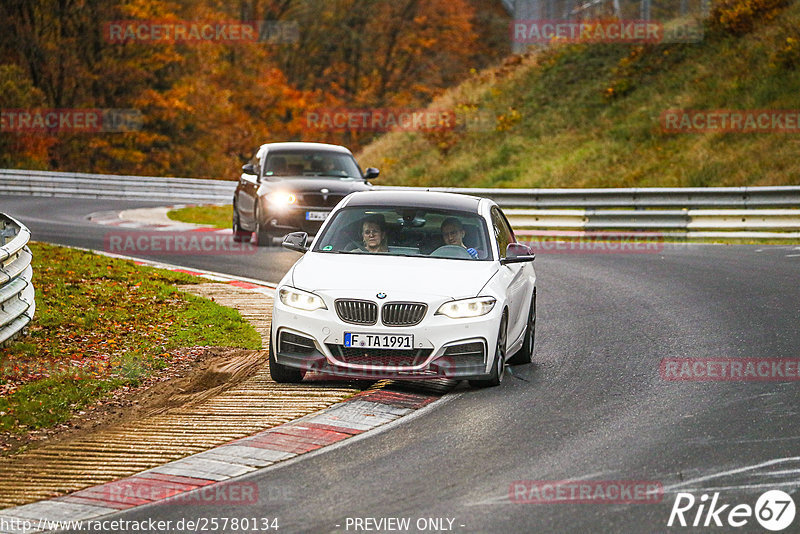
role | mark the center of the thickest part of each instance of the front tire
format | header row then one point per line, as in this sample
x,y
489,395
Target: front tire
x,y
499,366
525,354
239,235
263,237
281,373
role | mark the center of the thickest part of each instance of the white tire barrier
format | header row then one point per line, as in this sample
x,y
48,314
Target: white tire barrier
x,y
17,302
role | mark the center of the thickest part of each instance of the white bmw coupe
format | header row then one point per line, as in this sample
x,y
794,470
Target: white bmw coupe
x,y
406,285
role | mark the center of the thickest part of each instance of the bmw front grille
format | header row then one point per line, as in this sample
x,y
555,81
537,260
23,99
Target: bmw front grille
x,y
402,313
357,311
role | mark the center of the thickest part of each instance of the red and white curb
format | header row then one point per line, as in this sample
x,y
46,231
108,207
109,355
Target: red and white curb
x,y
258,286
210,472
149,231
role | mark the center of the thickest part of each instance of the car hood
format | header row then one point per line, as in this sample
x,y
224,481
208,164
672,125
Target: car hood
x,y
395,275
334,185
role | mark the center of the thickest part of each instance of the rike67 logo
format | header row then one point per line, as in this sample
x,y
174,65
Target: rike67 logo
x,y
774,511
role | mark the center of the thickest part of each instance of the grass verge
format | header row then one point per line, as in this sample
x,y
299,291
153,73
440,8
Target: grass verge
x,y
216,216
101,324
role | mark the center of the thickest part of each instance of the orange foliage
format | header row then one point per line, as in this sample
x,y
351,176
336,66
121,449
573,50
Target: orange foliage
x,y
738,17
206,106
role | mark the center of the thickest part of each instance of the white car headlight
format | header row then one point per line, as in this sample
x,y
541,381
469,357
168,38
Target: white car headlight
x,y
461,309
302,300
281,198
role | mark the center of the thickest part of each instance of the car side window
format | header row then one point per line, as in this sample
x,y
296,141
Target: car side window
x,y
502,232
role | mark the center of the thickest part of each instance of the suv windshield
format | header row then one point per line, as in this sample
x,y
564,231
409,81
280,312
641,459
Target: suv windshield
x,y
406,231
299,163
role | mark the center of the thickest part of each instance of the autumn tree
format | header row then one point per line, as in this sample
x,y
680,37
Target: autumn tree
x,y
206,106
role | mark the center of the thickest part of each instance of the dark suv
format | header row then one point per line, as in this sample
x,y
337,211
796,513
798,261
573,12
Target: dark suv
x,y
289,187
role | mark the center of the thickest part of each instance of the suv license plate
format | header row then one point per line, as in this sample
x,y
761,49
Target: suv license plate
x,y
379,341
316,215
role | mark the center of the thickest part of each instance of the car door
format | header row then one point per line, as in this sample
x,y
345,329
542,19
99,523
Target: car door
x,y
248,191
513,277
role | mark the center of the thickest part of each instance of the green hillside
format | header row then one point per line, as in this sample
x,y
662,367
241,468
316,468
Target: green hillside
x,y
590,115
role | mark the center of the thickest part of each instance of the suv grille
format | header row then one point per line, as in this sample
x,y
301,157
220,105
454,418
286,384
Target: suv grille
x,y
357,311
402,313
379,357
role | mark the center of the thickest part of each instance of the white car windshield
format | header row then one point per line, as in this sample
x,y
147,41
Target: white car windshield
x,y
406,231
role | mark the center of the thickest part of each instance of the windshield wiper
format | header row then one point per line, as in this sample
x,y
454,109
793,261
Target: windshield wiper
x,y
329,175
355,251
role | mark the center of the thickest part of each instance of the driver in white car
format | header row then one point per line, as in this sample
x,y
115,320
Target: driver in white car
x,y
373,232
453,234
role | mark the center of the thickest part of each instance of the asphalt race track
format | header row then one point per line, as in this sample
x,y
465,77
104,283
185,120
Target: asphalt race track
x,y
593,406
65,221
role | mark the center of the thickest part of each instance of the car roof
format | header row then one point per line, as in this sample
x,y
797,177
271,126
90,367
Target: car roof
x,y
422,199
306,146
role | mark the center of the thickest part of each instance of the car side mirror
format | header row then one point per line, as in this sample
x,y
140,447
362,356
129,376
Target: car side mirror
x,y
249,168
371,172
296,241
518,253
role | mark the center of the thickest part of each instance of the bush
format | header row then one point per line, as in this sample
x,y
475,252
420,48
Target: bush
x,y
738,17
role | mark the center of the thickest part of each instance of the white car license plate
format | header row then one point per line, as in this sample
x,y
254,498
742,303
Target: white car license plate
x,y
379,341
316,215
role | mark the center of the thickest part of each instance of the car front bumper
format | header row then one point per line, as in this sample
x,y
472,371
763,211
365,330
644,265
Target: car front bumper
x,y
291,219
443,347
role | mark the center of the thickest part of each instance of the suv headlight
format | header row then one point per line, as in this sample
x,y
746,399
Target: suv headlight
x,y
461,309
302,300
281,198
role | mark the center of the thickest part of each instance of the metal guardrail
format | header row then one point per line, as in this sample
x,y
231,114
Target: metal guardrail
x,y
690,212
17,302
641,197
110,186
772,211
684,219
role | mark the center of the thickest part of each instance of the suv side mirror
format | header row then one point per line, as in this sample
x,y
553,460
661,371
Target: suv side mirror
x,y
371,172
249,168
518,253
296,241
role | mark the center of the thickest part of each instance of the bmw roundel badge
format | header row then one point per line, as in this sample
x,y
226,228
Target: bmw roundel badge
x,y
381,295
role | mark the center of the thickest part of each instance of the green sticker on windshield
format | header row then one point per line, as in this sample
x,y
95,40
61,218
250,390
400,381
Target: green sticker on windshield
x,y
327,247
